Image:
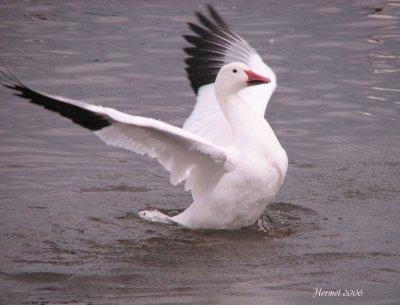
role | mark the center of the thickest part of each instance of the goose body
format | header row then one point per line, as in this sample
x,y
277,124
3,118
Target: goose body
x,y
254,171
226,152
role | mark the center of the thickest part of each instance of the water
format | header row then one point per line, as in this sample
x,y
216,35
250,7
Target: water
x,y
69,231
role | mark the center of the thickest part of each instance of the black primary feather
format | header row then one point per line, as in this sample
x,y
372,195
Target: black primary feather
x,y
210,46
78,115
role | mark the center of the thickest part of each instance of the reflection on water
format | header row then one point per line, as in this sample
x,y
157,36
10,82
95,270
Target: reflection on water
x,y
69,230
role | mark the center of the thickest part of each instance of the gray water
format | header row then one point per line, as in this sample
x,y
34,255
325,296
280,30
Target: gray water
x,y
69,230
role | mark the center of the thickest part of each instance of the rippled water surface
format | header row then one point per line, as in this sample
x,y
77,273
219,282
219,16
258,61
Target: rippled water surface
x,y
69,230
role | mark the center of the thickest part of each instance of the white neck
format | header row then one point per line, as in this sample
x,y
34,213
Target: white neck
x,y
258,97
246,125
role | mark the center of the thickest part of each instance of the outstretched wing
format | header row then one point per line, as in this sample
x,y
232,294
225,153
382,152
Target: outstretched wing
x,y
185,155
213,46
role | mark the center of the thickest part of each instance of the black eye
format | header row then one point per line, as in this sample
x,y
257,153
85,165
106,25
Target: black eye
x,y
234,70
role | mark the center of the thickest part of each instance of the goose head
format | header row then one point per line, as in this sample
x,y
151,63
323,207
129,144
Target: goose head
x,y
235,77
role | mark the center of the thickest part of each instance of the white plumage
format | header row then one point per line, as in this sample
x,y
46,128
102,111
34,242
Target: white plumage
x,y
227,153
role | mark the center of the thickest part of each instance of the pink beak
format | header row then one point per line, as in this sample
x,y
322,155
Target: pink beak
x,y
256,79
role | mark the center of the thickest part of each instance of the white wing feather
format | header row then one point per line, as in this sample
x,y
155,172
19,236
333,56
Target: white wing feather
x,y
185,155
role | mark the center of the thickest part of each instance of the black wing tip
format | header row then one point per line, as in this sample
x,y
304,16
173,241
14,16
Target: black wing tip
x,y
197,29
11,82
78,115
12,87
217,17
206,42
